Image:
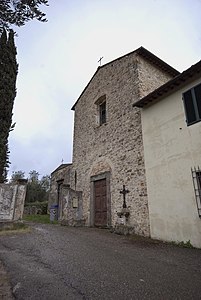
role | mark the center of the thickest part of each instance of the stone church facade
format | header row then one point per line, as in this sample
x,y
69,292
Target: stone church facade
x,y
107,148
105,185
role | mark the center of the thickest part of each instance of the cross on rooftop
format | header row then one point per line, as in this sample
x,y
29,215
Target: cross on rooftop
x,y
100,60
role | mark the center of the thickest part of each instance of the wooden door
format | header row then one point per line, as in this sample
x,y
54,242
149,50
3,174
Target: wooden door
x,y
100,195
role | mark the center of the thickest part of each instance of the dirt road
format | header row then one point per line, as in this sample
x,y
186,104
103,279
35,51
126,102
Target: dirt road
x,y
53,262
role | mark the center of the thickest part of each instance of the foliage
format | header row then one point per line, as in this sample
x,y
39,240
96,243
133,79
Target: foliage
x,y
18,12
8,75
17,175
33,176
183,244
40,206
37,190
12,12
45,182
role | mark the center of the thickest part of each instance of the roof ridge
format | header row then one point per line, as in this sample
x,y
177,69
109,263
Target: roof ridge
x,y
144,53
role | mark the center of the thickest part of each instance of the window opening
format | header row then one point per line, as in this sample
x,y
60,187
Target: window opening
x,y
102,110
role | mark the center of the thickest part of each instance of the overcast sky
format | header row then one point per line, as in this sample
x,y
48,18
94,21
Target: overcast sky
x,y
58,58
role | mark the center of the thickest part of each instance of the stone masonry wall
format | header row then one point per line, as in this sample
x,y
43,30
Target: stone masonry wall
x,y
12,197
117,145
150,80
20,199
71,207
61,173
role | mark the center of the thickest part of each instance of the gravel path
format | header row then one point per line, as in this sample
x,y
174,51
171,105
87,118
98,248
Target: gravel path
x,y
53,262
5,288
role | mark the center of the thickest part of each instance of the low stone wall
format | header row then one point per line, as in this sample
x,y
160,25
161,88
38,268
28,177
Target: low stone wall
x,y
12,197
36,208
70,207
123,229
32,210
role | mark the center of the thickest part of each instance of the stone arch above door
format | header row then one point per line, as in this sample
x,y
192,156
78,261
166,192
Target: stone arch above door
x,y
101,166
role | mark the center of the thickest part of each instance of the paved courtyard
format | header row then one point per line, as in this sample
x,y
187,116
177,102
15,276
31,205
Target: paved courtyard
x,y
53,262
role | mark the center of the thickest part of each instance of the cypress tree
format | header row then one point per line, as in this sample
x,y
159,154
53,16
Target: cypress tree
x,y
12,12
8,75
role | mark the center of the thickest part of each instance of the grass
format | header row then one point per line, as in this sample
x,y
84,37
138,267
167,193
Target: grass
x,y
17,227
14,228
44,219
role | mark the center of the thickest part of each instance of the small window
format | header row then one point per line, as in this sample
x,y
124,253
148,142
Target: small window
x,y
196,174
192,105
102,112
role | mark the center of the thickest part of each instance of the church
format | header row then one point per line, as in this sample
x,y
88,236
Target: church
x,y
107,185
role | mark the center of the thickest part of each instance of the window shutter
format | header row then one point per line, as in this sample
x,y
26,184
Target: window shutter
x,y
189,107
197,90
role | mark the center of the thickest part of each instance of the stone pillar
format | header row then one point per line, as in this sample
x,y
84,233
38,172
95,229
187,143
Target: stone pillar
x,y
12,197
20,199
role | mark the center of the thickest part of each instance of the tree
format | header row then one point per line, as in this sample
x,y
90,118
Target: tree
x,y
18,12
17,175
45,183
12,12
37,190
33,176
8,75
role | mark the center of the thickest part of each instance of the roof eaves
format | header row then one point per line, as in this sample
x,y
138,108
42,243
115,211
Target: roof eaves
x,y
62,166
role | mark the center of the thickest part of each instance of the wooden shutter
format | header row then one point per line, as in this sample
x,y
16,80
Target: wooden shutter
x,y
189,107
